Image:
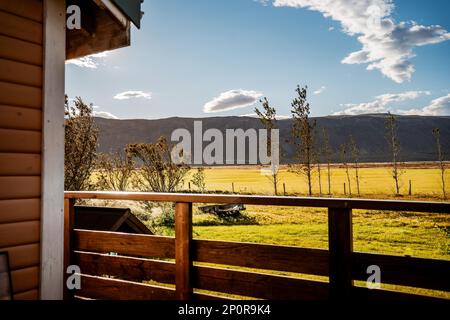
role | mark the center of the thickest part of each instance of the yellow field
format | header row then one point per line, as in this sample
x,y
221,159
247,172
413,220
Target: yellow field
x,y
374,181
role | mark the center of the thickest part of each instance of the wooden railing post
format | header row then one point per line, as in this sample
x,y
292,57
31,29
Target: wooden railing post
x,y
340,243
183,257
68,228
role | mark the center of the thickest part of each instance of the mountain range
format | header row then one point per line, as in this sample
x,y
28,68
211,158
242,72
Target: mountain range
x,y
369,132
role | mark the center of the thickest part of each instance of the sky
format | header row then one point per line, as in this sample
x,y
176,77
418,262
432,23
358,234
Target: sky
x,y
204,58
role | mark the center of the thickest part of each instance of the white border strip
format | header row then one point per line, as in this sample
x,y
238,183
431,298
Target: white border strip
x,y
52,192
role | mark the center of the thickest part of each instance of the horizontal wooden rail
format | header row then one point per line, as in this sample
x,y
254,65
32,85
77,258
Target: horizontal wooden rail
x,y
124,243
258,285
126,268
369,204
406,271
104,288
262,256
383,295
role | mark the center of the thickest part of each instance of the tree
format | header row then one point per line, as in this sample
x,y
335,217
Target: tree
x,y
80,146
198,179
302,133
440,157
327,153
355,157
394,148
157,173
344,157
115,171
268,119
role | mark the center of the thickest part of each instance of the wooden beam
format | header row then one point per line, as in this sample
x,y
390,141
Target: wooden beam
x,y
342,203
183,257
124,243
262,256
69,220
52,212
340,242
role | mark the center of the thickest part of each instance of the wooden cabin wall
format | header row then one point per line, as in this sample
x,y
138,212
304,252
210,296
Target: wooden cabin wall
x,y
21,84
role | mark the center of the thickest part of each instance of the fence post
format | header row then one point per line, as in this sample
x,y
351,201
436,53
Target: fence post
x,y
232,187
69,217
183,257
410,188
345,189
284,189
340,246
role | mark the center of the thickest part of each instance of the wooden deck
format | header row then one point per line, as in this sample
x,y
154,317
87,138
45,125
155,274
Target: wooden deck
x,y
183,268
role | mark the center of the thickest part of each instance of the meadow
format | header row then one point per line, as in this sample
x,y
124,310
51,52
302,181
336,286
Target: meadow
x,y
397,233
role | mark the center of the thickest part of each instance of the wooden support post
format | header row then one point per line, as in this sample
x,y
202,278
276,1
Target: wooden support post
x,y
410,188
345,189
183,257
189,184
284,189
232,187
69,217
340,244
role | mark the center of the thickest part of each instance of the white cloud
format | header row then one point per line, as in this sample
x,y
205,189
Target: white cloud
x,y
330,28
387,46
133,94
92,61
437,107
380,104
320,90
104,114
232,99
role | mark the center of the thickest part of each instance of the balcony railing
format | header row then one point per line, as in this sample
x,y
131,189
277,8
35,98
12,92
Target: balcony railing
x,y
180,267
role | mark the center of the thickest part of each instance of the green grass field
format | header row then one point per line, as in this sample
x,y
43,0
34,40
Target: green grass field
x,y
374,182
399,233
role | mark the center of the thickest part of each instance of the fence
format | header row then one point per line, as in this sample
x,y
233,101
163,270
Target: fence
x,y
174,267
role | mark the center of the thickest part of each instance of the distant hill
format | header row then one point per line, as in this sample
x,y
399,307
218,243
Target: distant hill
x,y
415,133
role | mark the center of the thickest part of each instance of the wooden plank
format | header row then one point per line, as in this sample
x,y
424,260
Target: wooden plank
x,y
19,233
30,9
20,164
20,73
25,279
183,243
20,187
19,210
340,243
369,204
53,152
126,268
20,95
262,256
20,141
32,294
69,222
124,243
406,271
113,289
22,51
109,35
20,28
20,118
209,297
383,295
258,285
23,256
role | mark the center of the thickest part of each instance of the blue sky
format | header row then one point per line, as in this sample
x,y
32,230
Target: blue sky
x,y
204,58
